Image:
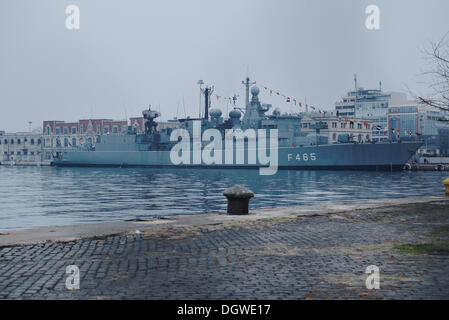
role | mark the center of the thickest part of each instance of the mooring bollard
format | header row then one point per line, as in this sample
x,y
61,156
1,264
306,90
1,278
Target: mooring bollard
x,y
446,183
238,199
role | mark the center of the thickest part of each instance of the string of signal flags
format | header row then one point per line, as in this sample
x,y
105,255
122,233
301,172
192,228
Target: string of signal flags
x,y
288,99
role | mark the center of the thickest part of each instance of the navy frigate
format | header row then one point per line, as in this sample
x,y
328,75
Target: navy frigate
x,y
248,138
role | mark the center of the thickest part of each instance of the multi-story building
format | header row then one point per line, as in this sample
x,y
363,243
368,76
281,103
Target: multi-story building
x,y
370,105
21,147
346,107
413,121
359,130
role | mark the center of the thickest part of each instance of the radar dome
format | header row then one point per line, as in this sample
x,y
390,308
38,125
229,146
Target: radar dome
x,y
255,91
235,114
215,113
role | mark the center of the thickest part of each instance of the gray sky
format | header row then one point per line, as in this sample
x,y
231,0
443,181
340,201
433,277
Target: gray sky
x,y
128,54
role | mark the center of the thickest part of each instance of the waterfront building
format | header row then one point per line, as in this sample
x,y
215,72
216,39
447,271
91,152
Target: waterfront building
x,y
332,126
346,107
372,105
443,133
21,147
413,121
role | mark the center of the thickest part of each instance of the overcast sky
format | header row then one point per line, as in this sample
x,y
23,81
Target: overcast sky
x,y
128,54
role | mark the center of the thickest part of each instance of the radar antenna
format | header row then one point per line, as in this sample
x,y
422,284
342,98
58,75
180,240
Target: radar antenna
x,y
149,116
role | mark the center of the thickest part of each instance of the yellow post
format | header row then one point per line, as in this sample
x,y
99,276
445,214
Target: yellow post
x,y
446,183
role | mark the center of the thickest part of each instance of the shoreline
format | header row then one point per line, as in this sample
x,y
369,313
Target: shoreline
x,y
68,233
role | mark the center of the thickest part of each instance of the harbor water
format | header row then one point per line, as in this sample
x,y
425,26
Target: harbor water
x,y
50,196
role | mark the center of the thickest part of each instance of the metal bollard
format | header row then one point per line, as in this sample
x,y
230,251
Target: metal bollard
x,y
238,199
446,183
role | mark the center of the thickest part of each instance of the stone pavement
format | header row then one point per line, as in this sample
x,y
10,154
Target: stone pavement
x,y
322,256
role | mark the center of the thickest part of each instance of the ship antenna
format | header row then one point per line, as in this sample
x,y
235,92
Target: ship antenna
x,y
200,83
184,105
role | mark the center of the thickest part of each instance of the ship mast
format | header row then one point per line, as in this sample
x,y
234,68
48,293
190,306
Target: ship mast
x,y
247,84
207,93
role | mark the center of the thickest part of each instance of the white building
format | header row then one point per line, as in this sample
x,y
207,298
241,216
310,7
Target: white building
x,y
21,147
359,130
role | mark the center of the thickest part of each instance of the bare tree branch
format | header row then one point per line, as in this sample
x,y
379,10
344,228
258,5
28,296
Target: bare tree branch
x,y
437,55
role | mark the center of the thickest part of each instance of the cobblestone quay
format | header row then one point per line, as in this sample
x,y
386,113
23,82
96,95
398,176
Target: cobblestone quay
x,y
320,256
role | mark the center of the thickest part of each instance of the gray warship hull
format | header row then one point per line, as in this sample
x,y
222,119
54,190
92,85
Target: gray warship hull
x,y
368,156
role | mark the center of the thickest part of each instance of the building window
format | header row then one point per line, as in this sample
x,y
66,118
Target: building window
x,y
58,130
106,129
66,130
32,141
115,129
39,141
66,142
19,141
73,130
5,141
48,130
81,128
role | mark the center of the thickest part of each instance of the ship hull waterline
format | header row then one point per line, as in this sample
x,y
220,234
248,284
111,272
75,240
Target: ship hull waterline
x,y
379,156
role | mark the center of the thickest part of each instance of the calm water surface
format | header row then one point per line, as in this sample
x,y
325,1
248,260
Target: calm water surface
x,y
48,196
